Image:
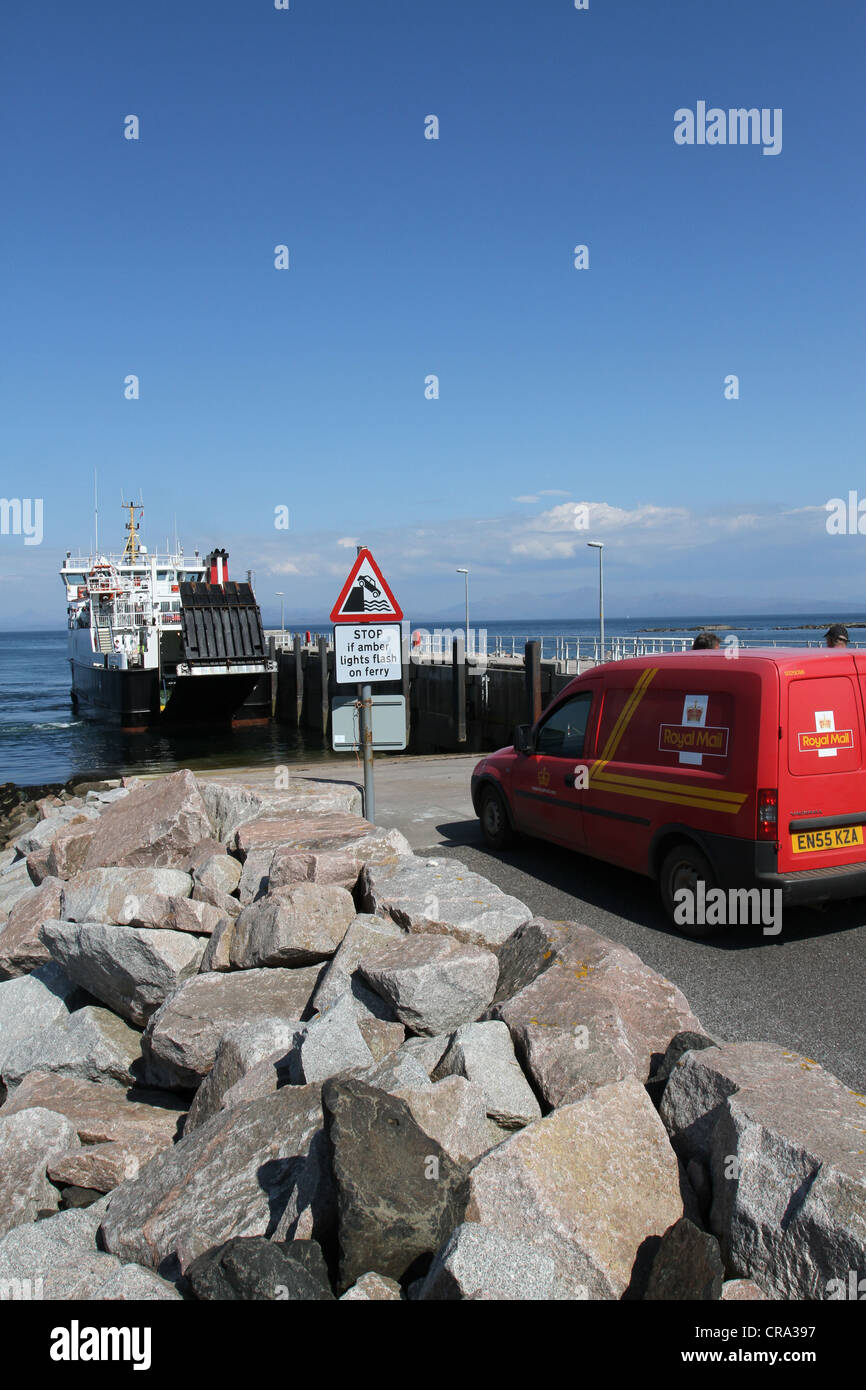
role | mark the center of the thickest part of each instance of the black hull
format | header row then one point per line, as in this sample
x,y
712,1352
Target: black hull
x,y
131,698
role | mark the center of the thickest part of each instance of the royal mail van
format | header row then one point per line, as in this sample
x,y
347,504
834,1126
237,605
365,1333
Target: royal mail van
x,y
698,768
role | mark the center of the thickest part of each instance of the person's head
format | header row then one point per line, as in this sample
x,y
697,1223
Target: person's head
x,y
706,642
837,636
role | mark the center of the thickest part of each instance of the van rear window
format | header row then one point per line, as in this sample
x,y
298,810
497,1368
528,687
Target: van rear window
x,y
823,726
667,728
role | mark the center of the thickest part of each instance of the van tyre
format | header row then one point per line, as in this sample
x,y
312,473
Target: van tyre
x,y
683,867
495,825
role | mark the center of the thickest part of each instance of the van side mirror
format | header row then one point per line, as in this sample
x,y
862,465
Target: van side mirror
x,y
523,740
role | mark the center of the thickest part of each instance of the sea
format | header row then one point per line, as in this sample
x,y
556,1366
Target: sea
x,y
42,741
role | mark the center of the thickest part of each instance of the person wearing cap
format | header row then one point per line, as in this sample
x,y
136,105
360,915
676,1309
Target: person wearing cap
x,y
837,636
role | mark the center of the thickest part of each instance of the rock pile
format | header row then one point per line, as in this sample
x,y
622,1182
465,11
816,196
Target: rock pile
x,y
251,1047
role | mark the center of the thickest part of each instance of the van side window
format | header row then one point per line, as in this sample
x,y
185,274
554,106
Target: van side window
x,y
563,734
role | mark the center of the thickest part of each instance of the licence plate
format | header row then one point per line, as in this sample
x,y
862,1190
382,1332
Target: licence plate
x,y
840,837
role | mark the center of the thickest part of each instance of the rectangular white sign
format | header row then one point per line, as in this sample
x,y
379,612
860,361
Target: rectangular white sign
x,y
368,652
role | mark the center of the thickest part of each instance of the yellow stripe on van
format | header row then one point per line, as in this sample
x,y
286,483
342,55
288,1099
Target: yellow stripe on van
x,y
700,801
628,709
705,793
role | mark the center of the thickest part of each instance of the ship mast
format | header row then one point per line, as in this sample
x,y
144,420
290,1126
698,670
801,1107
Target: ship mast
x,y
129,550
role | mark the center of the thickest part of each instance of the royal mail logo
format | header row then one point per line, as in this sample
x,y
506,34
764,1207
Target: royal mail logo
x,y
825,739
543,776
694,714
680,738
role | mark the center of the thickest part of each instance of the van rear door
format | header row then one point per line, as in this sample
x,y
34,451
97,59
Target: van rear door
x,y
822,792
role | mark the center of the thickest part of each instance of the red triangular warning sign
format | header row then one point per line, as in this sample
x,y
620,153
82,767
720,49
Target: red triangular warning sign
x,y
366,596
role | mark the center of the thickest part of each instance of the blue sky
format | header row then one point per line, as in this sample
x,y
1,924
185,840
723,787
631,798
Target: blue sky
x,y
453,257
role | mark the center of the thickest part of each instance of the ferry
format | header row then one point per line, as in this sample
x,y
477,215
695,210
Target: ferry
x,y
161,639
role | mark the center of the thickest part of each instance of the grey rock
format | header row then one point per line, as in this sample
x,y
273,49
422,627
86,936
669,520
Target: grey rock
x,y
302,925
442,896
783,1140
15,884
428,1051
595,1015
112,895
157,825
587,1185
221,872
181,1041
21,949
399,1195
433,983
28,1141
365,934
331,848
235,1176
687,1265
131,970
93,1044
373,1288
329,1045
226,905
477,1261
399,1072
254,876
383,1039
228,806
251,1268
132,1284
217,952
42,834
29,1251
32,1002
742,1290
483,1053
453,1113
238,1052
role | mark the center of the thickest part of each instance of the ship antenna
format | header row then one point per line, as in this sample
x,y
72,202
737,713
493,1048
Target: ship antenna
x,y
96,511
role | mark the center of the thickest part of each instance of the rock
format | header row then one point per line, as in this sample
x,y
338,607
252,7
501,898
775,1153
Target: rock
x,y
373,1288
365,934
596,1014
226,905
217,952
427,1051
238,1052
118,1134
235,1176
78,1280
587,1186
262,1079
251,1268
329,1045
528,952
741,1290
254,876
38,867
679,1044
442,896
219,872
15,884
399,1072
112,895
453,1113
783,1140
482,1052
181,1041
399,1195
477,1261
331,848
687,1265
31,1250
132,1284
297,926
21,950
382,1038
33,1002
228,806
79,1197
44,832
28,1141
93,1044
157,825
432,983
274,824
130,969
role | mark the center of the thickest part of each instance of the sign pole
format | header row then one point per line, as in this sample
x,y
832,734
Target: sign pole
x,y
366,697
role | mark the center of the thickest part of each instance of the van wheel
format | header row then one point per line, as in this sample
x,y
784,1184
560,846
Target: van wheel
x,y
684,867
495,826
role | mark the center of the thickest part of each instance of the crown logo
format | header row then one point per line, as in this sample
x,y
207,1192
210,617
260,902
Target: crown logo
x,y
824,722
543,776
693,714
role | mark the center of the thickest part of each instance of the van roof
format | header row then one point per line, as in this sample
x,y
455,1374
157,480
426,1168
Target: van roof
x,y
747,658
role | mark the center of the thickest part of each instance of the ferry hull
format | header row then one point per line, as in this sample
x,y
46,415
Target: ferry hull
x,y
131,698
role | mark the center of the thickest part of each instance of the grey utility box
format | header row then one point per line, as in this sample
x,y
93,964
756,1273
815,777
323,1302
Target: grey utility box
x,y
389,723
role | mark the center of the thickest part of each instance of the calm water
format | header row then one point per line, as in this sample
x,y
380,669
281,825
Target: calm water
x,y
41,740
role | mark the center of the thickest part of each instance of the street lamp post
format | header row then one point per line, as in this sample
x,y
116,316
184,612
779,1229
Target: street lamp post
x,y
599,546
462,570
282,613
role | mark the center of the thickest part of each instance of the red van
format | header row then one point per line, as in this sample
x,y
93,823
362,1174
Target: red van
x,y
698,768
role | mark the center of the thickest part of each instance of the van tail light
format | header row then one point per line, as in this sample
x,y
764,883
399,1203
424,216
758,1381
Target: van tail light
x,y
768,809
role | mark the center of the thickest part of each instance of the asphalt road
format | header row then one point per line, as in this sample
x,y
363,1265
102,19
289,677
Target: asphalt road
x,y
804,989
